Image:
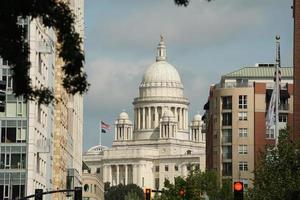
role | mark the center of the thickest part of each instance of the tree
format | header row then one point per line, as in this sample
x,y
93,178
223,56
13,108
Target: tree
x,y
14,46
120,191
197,186
277,176
184,3
132,196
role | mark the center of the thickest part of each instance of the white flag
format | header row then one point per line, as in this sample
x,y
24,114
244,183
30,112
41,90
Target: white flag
x,y
270,118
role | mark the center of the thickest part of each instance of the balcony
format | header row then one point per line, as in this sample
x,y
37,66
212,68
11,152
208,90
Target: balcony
x,y
234,85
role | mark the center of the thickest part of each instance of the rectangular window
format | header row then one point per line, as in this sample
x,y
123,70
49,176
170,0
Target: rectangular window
x,y
243,132
157,168
243,101
227,135
40,63
243,166
227,169
243,149
226,119
227,102
98,170
227,152
270,133
283,118
166,168
39,114
176,167
243,116
156,183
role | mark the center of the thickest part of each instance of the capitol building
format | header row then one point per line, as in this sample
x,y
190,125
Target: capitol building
x,y
158,143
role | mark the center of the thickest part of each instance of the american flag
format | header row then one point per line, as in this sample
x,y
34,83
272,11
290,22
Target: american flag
x,y
271,114
104,127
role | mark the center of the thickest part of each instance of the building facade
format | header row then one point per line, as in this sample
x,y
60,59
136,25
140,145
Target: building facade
x,y
296,61
31,156
27,127
235,119
68,122
159,144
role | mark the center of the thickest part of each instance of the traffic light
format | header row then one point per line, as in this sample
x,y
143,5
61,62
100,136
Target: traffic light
x,y
78,193
148,194
238,190
38,194
181,192
2,95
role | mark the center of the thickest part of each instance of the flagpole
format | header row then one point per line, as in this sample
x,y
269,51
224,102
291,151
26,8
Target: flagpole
x,y
277,89
100,136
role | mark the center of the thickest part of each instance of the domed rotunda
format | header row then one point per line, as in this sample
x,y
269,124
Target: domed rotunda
x,y
158,143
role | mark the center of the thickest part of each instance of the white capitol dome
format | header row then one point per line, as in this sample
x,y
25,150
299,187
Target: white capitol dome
x,y
161,72
161,78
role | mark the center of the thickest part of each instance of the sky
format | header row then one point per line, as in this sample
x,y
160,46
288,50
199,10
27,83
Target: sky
x,y
204,41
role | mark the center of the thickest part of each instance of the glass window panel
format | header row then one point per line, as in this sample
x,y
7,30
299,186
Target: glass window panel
x,y
11,109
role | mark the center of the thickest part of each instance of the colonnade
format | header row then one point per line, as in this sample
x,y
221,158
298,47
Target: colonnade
x,y
195,134
121,173
123,132
148,117
168,130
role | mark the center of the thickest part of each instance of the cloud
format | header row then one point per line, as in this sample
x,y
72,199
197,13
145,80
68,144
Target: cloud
x,y
113,83
201,24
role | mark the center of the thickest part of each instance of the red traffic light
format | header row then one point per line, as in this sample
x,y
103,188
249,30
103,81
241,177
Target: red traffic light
x,y
238,186
181,192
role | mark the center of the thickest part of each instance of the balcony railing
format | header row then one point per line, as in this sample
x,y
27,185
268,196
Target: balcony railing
x,y
234,85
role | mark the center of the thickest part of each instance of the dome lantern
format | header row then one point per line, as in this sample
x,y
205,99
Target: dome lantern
x,y
161,50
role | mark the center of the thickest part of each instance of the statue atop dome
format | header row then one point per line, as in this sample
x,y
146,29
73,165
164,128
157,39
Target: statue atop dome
x,y
161,50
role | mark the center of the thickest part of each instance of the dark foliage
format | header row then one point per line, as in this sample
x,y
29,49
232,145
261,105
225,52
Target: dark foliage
x,y
14,46
184,3
277,176
120,191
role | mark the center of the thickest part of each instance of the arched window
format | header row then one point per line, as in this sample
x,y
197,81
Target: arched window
x,y
188,152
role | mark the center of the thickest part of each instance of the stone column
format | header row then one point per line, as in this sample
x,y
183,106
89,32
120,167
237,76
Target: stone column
x,y
118,175
126,174
135,119
149,117
180,119
139,118
134,173
110,174
116,132
156,117
144,118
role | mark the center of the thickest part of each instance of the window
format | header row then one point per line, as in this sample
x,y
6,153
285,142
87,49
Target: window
x,y
243,132
156,183
283,118
226,119
8,135
39,114
188,167
227,135
270,134
166,168
188,152
227,169
157,168
243,101
176,167
227,152
243,116
40,62
98,170
227,102
243,166
243,149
